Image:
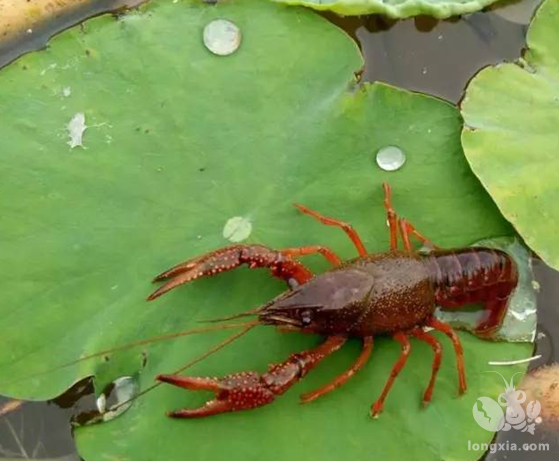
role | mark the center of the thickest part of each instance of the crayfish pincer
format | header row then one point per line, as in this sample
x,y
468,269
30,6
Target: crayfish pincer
x,y
391,293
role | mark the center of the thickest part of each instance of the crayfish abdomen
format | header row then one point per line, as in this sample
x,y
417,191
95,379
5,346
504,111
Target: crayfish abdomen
x,y
473,275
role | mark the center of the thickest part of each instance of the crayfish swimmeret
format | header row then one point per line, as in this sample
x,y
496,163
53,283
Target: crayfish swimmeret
x,y
395,293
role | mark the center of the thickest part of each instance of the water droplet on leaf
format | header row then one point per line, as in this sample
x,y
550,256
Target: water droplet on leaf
x,y
222,37
237,229
117,399
390,158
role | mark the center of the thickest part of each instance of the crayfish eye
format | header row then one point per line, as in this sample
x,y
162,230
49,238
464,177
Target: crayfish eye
x,y
306,318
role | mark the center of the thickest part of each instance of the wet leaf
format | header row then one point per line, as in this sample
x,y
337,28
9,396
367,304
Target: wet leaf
x,y
178,142
511,140
395,8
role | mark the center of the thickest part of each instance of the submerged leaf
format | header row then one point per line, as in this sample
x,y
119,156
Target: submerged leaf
x,y
511,136
181,141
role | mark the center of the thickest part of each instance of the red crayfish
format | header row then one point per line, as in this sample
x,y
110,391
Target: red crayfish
x,y
391,293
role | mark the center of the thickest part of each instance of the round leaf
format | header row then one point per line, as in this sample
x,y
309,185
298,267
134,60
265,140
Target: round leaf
x,y
130,147
510,138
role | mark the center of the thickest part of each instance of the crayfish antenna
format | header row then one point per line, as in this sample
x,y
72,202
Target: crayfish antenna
x,y
249,326
142,342
234,316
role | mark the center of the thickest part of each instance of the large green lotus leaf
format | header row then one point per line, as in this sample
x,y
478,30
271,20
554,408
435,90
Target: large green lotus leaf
x,y
395,8
178,142
511,139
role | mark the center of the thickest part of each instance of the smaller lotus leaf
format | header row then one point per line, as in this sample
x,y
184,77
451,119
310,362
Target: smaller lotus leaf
x,y
511,135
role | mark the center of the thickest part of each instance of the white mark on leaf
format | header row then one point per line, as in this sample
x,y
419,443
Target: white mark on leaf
x,y
76,128
237,229
50,67
67,91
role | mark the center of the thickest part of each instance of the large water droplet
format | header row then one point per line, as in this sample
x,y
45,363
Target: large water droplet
x,y
390,158
222,37
237,229
117,399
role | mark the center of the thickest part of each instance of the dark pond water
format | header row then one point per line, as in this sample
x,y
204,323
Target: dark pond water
x,y
423,54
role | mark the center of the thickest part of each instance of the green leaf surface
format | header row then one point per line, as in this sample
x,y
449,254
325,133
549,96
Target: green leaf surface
x,y
395,8
511,136
178,142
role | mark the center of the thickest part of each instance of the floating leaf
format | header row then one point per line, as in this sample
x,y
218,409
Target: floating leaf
x,y
511,138
395,8
179,141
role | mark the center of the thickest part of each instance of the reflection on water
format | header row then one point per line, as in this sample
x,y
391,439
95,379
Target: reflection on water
x,y
423,54
42,429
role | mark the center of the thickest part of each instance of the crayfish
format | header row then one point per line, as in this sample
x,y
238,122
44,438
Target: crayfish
x,y
391,293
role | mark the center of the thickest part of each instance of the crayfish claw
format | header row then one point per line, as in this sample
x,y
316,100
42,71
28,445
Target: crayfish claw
x,y
201,266
180,268
186,272
228,258
239,391
213,407
171,272
191,382
173,283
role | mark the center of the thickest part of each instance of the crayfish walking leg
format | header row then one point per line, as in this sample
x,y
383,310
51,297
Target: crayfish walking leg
x,y
448,331
341,379
438,350
402,338
347,228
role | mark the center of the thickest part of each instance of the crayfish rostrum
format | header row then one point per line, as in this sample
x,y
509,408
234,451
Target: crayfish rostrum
x,y
391,293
